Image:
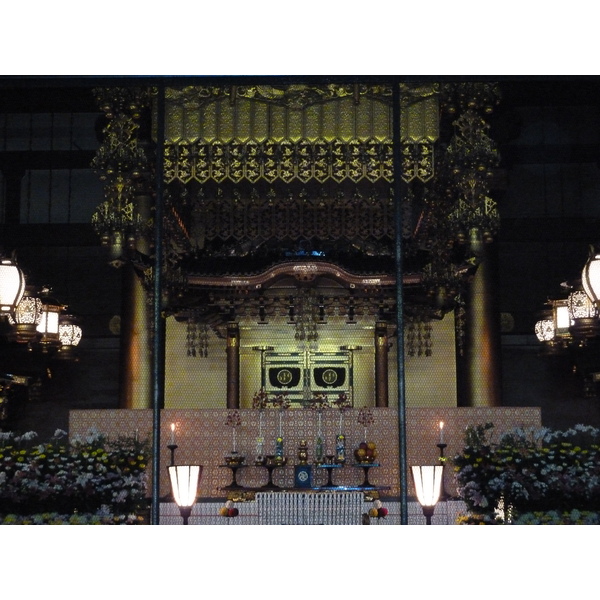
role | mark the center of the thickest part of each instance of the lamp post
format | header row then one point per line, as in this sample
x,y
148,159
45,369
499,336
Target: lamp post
x,y
428,485
184,484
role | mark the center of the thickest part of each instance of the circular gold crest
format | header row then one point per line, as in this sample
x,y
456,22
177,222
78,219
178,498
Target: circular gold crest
x,y
284,376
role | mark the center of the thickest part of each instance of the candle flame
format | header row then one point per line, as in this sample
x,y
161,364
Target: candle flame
x,y
172,426
441,424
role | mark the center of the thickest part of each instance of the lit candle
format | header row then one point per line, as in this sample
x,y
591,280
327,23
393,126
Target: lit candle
x,y
441,432
172,434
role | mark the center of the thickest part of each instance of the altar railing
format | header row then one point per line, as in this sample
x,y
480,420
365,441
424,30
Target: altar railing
x,y
322,508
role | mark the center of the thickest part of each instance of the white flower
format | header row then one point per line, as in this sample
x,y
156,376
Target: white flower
x,y
27,436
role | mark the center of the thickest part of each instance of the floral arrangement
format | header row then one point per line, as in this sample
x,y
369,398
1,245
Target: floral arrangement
x,y
319,402
233,419
365,418
260,400
342,402
280,401
528,473
89,475
102,517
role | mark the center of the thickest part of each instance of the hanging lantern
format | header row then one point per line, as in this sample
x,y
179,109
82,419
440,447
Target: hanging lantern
x,y
552,329
583,315
590,277
27,317
12,285
561,318
49,322
544,330
69,335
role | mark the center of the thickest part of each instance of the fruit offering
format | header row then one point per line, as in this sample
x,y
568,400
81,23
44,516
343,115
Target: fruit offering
x,y
366,452
379,511
229,510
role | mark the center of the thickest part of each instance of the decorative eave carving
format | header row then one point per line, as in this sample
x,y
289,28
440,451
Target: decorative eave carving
x,y
303,272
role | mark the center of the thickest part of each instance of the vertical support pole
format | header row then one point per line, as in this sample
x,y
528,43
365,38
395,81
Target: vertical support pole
x,y
478,371
381,365
233,365
399,192
158,357
135,379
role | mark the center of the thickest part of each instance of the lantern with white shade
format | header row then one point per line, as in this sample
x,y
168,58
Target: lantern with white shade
x,y
583,315
26,317
590,277
184,485
49,323
428,485
12,285
69,335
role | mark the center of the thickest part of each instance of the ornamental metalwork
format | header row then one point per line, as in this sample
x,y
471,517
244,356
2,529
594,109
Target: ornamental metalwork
x,y
287,161
296,96
419,130
472,157
123,164
259,174
256,217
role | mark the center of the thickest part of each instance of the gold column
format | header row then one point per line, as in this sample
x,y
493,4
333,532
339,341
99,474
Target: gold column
x,y
135,388
233,365
381,365
479,372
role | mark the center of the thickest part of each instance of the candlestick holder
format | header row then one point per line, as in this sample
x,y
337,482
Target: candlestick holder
x,y
444,495
172,448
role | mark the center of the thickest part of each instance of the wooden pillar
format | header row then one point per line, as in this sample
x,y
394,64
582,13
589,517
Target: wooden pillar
x,y
478,372
381,365
135,386
233,365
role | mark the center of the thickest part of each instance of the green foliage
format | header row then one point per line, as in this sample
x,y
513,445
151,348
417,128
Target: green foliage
x,y
529,472
88,475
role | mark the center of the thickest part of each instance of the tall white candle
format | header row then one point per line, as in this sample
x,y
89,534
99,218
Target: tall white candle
x,y
172,434
441,432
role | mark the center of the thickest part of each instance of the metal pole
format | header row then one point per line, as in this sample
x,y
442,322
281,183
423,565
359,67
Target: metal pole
x,y
398,197
158,358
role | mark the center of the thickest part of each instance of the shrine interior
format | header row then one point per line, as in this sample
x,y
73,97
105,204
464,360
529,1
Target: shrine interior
x,y
389,258
279,234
